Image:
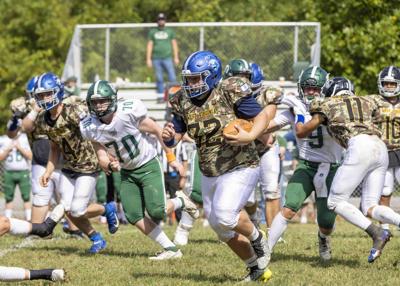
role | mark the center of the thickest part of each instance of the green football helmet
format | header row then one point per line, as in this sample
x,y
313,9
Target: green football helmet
x,y
314,78
101,98
237,67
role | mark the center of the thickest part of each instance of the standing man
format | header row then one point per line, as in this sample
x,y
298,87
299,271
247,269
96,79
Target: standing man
x,y
161,47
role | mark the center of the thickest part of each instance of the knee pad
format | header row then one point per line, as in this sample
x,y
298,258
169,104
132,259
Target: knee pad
x,y
157,213
226,219
223,234
387,191
78,207
332,202
40,200
271,192
365,207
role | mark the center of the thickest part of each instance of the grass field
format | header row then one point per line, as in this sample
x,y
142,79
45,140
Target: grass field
x,y
206,261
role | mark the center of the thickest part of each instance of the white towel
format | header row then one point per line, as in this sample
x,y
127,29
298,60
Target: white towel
x,y
319,181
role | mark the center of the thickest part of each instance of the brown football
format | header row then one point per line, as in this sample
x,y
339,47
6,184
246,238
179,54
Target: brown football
x,y
230,127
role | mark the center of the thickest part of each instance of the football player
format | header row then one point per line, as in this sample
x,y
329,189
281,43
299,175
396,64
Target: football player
x,y
351,121
319,157
389,105
117,132
267,149
228,162
60,122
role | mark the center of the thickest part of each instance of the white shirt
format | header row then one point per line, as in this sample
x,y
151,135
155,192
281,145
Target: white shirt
x,y
15,160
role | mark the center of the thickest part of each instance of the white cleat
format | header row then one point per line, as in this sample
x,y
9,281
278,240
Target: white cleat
x,y
167,254
325,252
57,275
189,206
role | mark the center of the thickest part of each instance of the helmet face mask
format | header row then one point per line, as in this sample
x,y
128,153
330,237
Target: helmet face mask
x,y
101,98
310,83
201,73
49,91
389,82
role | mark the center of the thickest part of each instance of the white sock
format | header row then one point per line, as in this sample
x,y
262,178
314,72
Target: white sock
x,y
386,215
158,235
385,226
12,274
186,220
28,214
19,227
278,227
177,202
254,234
322,235
8,213
352,215
252,261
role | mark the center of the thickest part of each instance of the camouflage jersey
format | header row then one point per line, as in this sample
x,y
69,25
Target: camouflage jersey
x,y
348,116
206,122
264,96
390,125
78,153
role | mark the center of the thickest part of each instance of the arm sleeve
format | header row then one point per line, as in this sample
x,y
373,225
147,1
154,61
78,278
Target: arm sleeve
x,y
284,118
247,108
179,124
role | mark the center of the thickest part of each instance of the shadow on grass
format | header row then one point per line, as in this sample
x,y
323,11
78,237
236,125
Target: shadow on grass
x,y
84,252
198,277
204,240
315,261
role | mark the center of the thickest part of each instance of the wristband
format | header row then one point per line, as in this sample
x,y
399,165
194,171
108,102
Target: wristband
x,y
299,118
170,143
32,115
170,157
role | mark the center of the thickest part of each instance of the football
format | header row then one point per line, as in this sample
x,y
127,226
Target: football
x,y
230,127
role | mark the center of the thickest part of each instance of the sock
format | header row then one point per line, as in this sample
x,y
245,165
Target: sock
x,y
8,213
321,235
40,274
28,214
19,227
385,215
373,230
186,220
254,235
158,235
352,214
278,227
12,273
178,203
252,261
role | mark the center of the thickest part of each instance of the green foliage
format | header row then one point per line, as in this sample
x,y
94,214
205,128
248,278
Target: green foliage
x,y
359,37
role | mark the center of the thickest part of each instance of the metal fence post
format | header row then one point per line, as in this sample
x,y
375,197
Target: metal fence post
x,y
296,44
201,40
107,55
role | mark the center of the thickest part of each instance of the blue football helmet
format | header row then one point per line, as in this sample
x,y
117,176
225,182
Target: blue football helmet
x,y
30,87
389,74
257,76
202,67
48,83
337,86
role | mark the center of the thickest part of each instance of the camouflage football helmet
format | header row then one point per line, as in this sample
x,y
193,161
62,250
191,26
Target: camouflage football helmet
x,y
313,77
238,67
101,98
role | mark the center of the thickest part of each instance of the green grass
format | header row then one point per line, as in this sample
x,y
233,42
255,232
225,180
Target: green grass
x,y
207,261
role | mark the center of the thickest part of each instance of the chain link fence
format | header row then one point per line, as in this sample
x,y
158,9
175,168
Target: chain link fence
x,y
119,50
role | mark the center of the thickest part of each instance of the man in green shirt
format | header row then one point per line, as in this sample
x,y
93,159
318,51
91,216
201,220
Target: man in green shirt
x,y
161,47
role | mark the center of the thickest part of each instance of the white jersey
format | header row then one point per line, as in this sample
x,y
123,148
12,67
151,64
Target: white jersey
x,y
319,146
122,137
15,161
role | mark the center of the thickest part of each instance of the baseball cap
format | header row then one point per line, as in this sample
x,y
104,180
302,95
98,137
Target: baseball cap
x,y
161,16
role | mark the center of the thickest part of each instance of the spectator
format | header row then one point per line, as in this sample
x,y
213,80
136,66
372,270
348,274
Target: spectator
x,y
71,88
161,47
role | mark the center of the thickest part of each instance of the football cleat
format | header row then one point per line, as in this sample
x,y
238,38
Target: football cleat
x,y
257,274
378,245
112,217
167,254
189,206
98,243
324,248
57,275
262,251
